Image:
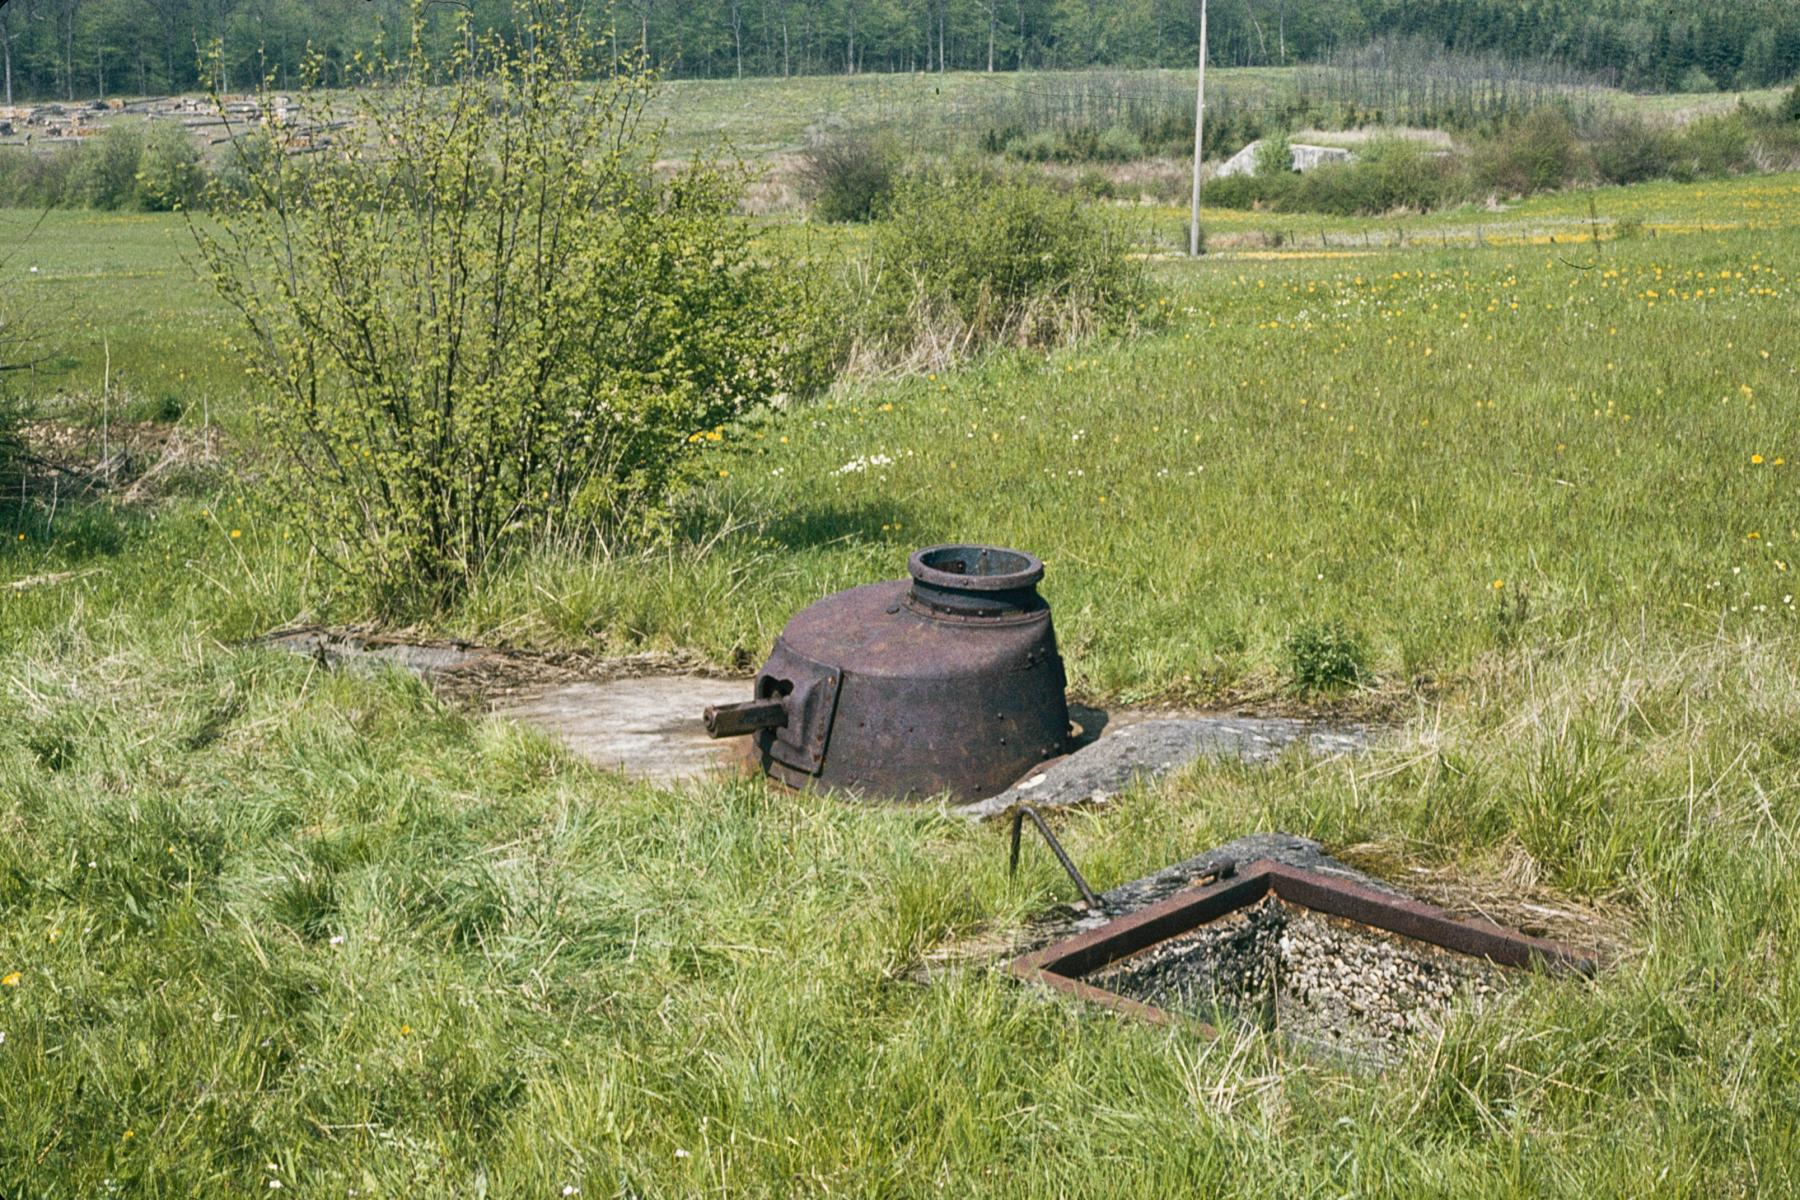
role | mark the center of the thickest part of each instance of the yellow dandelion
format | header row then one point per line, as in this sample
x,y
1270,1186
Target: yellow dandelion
x,y
1753,536
1498,584
237,533
10,979
1756,459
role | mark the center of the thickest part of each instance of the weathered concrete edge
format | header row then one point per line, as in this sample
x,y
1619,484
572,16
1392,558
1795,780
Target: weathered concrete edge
x,y
1149,750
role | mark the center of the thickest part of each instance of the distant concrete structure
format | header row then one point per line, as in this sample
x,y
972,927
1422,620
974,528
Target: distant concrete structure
x,y
1301,158
210,123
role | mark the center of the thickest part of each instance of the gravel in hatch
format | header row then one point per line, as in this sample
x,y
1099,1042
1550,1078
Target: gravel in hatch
x,y
1325,983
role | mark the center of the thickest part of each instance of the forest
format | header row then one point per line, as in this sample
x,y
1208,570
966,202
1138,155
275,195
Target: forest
x,y
85,49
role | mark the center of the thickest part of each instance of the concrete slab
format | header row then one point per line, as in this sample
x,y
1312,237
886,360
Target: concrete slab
x,y
642,716
647,728
1300,157
1145,749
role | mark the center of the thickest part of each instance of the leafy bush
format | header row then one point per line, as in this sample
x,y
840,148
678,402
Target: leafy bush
x,y
1324,656
30,180
1536,155
1074,144
1390,175
1712,147
981,260
1695,79
1096,186
245,164
1038,147
1629,150
849,178
1118,144
488,324
1275,156
1790,107
169,173
1243,191
105,170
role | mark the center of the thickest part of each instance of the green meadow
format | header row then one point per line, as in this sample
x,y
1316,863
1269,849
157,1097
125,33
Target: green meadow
x,y
267,928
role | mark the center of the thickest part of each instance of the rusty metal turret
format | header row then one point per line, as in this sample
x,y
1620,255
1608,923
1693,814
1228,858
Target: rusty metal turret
x,y
947,682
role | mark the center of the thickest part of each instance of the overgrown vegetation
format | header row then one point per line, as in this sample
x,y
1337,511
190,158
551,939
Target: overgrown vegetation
x,y
271,924
1325,656
850,178
143,167
488,325
1116,116
973,260
1543,152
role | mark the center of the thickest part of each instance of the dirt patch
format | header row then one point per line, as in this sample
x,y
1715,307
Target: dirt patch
x,y
776,188
130,460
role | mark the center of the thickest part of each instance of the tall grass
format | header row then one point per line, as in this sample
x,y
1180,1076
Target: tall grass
x,y
276,927
266,924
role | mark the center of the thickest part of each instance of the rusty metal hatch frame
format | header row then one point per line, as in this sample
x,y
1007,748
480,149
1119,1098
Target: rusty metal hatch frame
x,y
1062,965
809,692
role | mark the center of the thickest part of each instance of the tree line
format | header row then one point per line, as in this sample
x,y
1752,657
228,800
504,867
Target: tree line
x,y
81,49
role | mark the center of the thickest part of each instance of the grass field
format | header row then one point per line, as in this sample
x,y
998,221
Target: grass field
x,y
261,925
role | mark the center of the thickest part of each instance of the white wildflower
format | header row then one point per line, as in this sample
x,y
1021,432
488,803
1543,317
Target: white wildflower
x,y
860,463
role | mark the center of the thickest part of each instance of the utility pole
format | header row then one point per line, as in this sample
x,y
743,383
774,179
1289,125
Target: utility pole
x,y
1199,122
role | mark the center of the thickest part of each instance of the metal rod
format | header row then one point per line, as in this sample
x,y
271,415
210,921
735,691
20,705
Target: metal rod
x,y
735,720
1199,123
1025,810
